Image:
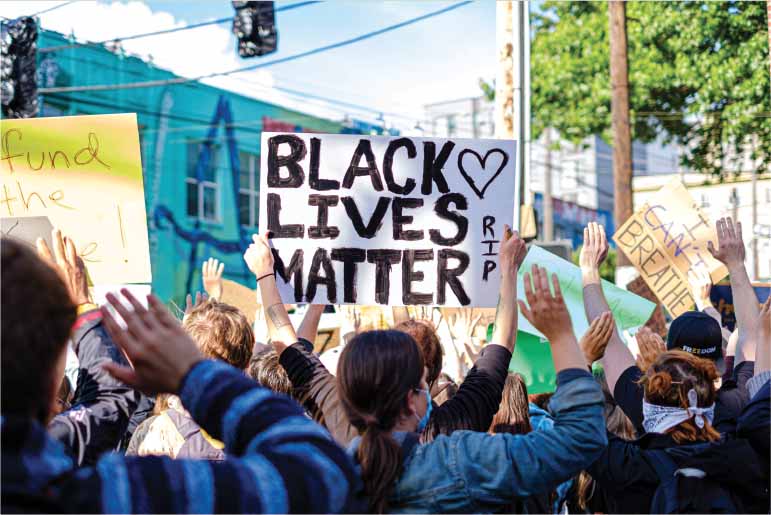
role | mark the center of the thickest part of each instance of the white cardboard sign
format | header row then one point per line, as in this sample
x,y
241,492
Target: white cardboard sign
x,y
359,219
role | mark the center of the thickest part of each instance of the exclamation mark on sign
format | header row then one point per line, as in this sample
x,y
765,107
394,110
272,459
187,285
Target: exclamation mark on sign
x,y
122,232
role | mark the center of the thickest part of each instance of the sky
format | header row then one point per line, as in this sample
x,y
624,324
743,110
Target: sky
x,y
397,73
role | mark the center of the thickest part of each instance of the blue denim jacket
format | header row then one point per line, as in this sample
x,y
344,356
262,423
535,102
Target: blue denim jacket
x,y
477,472
541,420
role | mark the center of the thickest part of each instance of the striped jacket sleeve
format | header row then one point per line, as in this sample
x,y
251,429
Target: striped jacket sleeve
x,y
279,461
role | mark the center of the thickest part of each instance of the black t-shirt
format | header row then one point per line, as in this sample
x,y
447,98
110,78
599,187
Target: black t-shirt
x,y
731,397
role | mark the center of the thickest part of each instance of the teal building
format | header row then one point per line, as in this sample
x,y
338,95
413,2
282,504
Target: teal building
x,y
200,154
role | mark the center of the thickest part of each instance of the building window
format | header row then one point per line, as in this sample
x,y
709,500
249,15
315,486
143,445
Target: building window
x,y
203,195
248,189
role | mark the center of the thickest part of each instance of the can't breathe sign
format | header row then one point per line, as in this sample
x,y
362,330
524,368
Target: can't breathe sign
x,y
386,220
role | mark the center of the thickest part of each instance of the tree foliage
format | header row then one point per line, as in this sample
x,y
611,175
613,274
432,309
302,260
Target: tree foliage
x,y
698,75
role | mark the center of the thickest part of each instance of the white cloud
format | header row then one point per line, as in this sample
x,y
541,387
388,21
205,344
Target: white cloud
x,y
435,73
190,53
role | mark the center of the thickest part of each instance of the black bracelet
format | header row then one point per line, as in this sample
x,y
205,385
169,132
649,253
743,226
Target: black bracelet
x,y
264,276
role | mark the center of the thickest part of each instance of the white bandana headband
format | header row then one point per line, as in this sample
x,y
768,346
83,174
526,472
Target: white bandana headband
x,y
659,419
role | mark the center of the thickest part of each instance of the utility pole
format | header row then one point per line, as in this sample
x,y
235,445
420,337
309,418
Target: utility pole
x,y
755,264
512,88
475,117
548,206
622,135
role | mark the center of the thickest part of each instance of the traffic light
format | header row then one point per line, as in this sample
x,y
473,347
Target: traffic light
x,y
255,27
18,52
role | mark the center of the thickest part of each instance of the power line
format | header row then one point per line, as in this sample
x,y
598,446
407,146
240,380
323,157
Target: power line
x,y
52,8
182,80
167,31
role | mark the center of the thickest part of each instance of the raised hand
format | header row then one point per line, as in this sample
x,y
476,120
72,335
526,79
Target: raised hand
x,y
69,265
650,345
730,245
463,324
190,304
159,349
211,272
595,247
512,253
258,256
701,284
596,338
549,315
547,312
352,316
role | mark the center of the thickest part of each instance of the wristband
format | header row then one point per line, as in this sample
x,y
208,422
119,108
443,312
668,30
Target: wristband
x,y
260,278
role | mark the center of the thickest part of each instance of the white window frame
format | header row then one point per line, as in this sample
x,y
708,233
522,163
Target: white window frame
x,y
253,191
201,187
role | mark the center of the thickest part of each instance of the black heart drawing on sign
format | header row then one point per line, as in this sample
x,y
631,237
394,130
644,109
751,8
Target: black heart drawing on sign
x,y
482,161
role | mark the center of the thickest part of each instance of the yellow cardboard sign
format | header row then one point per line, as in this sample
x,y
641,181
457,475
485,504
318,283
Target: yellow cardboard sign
x,y
636,239
683,228
84,173
665,239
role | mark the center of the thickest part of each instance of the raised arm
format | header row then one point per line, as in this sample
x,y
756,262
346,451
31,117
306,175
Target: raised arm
x,y
701,286
540,460
259,259
479,396
618,357
102,406
309,327
731,253
762,335
211,274
278,459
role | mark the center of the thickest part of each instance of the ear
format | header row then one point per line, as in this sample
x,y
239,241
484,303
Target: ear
x,y
411,406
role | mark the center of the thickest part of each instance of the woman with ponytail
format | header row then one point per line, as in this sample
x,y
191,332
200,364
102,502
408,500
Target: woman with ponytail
x,y
681,463
382,386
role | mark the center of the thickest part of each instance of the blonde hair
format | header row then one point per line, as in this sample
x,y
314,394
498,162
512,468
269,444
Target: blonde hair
x,y
221,332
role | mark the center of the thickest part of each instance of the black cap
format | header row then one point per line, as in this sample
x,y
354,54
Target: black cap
x,y
699,334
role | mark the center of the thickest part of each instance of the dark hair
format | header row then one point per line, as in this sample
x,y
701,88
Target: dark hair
x,y
514,412
424,334
541,399
37,317
221,332
376,372
266,370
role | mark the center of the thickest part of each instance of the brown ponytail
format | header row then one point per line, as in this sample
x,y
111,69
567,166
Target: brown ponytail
x,y
514,412
376,372
667,383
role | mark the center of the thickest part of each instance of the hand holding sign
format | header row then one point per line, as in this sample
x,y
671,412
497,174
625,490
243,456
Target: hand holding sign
x,y
513,251
69,265
259,257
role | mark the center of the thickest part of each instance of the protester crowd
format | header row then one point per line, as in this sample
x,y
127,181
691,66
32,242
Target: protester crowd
x,y
210,414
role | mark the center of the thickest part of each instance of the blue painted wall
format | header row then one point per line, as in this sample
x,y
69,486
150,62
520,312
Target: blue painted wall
x,y
189,131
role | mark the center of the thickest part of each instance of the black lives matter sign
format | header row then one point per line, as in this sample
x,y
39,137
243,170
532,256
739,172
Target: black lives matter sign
x,y
386,220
